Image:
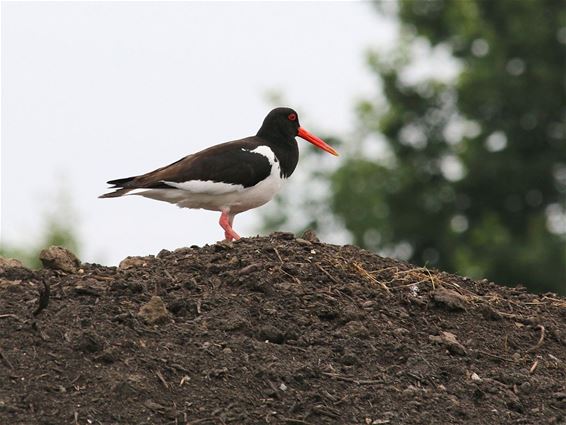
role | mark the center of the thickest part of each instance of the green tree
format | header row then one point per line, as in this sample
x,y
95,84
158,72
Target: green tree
x,y
59,227
472,174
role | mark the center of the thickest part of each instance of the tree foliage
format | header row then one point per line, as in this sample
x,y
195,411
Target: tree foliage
x,y
472,172
59,227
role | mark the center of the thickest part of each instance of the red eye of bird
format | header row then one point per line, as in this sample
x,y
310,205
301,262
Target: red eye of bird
x,y
292,117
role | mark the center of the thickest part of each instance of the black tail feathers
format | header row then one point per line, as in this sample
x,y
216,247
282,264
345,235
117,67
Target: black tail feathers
x,y
120,182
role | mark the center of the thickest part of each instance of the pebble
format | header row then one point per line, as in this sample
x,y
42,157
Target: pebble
x,y
272,334
7,263
131,262
59,258
525,387
450,299
449,341
310,235
154,311
301,241
89,342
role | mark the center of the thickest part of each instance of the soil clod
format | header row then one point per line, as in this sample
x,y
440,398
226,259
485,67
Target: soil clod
x,y
449,341
154,311
89,342
452,300
132,262
59,258
9,263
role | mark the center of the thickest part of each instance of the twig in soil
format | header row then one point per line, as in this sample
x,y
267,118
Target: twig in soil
x,y
417,273
329,396
162,379
409,284
417,377
533,367
326,411
294,347
295,421
85,290
43,298
485,353
13,316
332,278
561,303
39,331
199,421
354,380
386,269
540,340
97,277
181,368
342,400
431,278
169,275
517,317
368,276
5,360
295,279
278,256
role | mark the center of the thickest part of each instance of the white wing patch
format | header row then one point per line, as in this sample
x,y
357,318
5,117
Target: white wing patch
x,y
207,186
265,151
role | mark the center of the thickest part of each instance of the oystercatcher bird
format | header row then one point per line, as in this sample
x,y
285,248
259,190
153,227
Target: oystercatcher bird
x,y
231,177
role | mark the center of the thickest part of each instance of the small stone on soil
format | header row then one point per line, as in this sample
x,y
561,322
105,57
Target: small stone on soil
x,y
131,262
272,334
8,263
250,269
310,235
489,313
450,299
89,342
59,258
449,341
154,311
287,236
354,329
301,241
349,359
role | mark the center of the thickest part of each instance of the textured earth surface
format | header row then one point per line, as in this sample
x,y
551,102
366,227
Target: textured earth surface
x,y
274,330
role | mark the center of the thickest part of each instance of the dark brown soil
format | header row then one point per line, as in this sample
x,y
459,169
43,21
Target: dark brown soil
x,y
276,330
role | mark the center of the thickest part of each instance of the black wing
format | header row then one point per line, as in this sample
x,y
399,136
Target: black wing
x,y
231,163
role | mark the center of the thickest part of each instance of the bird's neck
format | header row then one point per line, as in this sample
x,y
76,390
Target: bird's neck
x,y
286,150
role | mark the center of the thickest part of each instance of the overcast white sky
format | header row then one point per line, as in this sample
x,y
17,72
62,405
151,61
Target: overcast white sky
x,y
96,91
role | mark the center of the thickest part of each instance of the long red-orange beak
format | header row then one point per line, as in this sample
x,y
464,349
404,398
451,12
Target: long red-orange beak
x,y
319,143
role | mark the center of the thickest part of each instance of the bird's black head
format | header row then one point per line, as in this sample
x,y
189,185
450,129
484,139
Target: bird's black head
x,y
280,123
281,126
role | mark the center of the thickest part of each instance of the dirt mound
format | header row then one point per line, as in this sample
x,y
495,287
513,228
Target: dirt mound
x,y
275,330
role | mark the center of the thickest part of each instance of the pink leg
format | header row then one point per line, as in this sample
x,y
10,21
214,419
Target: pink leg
x,y
226,221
